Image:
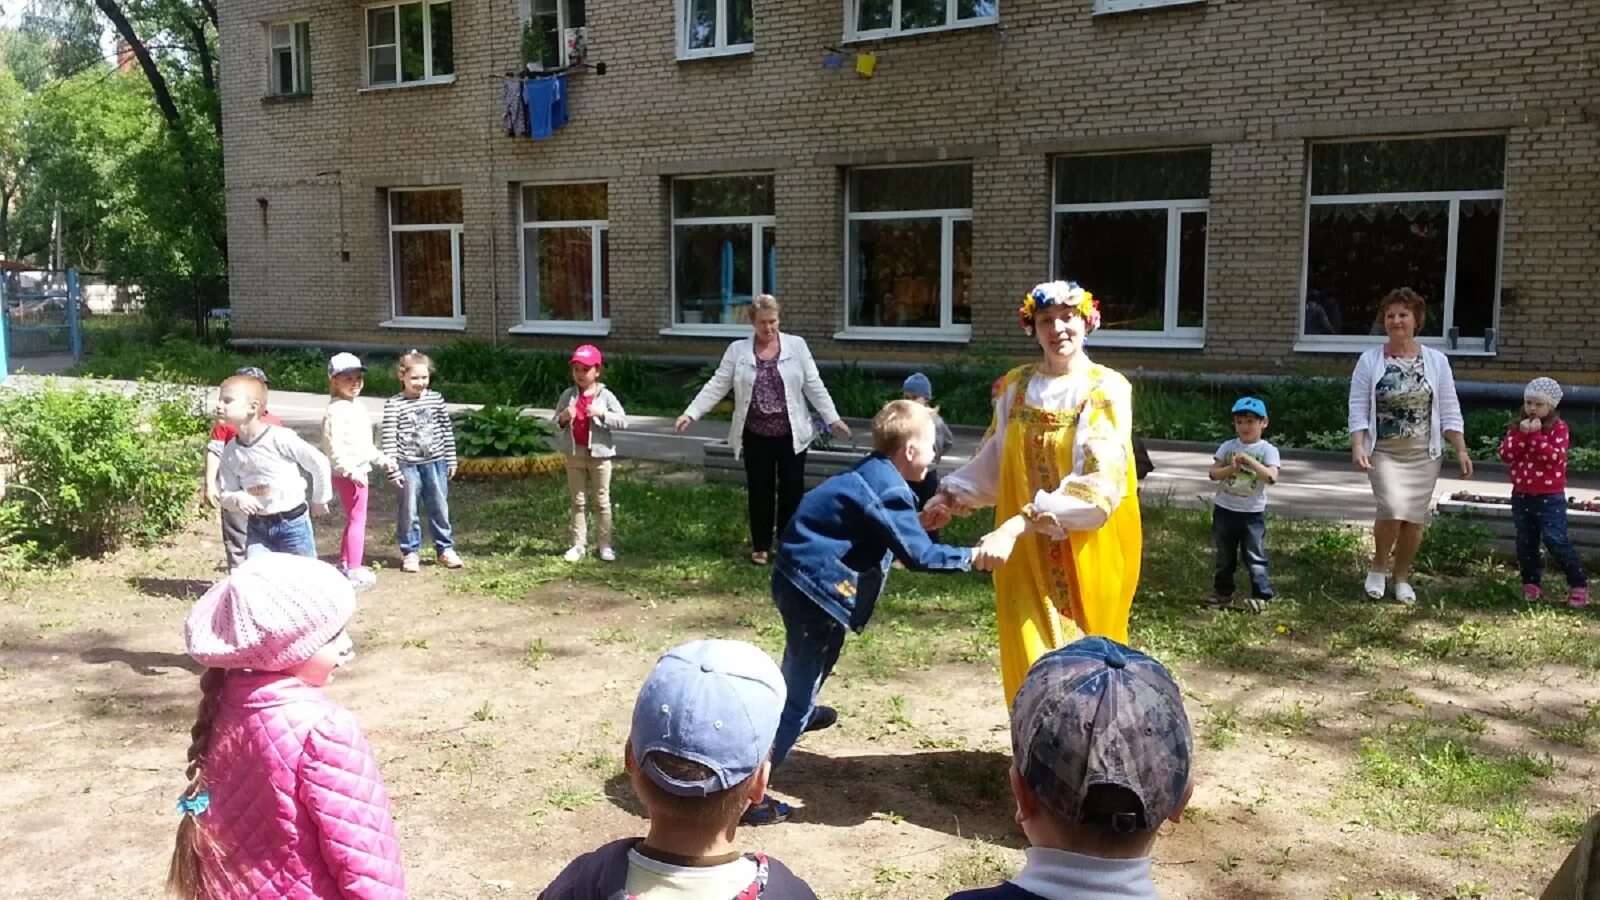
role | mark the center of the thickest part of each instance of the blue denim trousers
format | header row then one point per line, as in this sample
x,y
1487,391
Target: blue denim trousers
x,y
1237,534
812,641
427,484
1544,517
274,536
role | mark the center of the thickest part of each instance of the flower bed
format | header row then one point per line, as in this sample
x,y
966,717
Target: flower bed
x,y
511,466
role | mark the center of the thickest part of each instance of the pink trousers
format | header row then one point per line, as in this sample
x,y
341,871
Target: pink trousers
x,y
353,497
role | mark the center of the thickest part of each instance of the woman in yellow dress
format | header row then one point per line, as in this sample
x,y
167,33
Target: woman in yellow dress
x,y
1057,466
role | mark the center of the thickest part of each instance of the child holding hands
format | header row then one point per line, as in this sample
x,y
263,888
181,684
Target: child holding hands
x,y
347,441
1535,450
587,413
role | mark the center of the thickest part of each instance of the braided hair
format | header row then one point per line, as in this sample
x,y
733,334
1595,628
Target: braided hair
x,y
186,875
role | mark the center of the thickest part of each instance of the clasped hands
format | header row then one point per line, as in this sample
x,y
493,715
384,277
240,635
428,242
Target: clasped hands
x,y
993,549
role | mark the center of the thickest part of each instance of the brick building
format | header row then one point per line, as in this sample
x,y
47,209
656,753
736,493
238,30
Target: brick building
x,y
1238,181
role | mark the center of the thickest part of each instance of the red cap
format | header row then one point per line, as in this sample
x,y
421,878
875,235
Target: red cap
x,y
587,355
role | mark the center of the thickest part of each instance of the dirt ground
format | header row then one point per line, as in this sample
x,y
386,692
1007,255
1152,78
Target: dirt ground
x,y
499,729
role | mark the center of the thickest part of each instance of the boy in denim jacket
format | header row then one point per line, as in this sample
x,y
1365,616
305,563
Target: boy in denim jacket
x,y
832,562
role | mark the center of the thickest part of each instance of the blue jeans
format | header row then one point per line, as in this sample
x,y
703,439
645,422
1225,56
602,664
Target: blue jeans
x,y
1237,534
812,641
1545,516
263,535
428,484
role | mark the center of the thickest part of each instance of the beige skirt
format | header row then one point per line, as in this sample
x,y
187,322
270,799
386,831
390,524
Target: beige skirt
x,y
1403,478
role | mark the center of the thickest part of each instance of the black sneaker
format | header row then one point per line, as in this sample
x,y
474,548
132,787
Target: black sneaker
x,y
821,718
767,812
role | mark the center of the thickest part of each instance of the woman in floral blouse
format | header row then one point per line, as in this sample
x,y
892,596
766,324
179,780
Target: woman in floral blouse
x,y
1403,408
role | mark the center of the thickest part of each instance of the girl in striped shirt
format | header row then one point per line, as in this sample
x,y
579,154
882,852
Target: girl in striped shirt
x,y
418,435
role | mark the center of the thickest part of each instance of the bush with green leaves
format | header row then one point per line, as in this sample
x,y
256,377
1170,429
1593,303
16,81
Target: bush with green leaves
x,y
96,469
500,431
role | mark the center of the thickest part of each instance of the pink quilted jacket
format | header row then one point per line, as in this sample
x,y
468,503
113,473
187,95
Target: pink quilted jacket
x,y
298,809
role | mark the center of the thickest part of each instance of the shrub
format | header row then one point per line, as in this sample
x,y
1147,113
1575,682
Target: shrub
x,y
96,469
500,431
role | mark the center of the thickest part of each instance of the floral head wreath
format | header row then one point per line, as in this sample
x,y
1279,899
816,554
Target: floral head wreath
x,y
1060,293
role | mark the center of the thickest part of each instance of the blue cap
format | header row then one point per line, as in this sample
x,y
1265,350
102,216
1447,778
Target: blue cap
x,y
713,702
918,385
253,372
1250,405
1097,714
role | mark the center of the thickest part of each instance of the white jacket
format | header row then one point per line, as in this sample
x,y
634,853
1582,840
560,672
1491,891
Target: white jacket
x,y
801,382
1444,415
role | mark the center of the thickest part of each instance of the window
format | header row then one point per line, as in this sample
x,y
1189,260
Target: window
x,y
1115,6
565,256
1420,213
425,255
289,64
908,251
715,27
554,32
1131,228
409,43
724,247
884,18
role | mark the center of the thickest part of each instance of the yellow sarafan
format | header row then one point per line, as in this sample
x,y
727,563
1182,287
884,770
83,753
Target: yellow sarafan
x,y
1052,592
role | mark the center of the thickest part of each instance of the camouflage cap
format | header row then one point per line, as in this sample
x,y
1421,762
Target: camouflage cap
x,y
1096,714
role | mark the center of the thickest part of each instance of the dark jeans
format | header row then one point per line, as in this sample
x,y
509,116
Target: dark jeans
x,y
235,535
924,491
1545,516
1238,534
771,466
812,641
280,536
427,484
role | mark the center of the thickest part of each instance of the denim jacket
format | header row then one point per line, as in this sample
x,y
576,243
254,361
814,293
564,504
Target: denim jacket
x,y
845,533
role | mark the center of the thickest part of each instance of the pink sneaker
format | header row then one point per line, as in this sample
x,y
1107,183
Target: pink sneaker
x,y
1578,598
1531,592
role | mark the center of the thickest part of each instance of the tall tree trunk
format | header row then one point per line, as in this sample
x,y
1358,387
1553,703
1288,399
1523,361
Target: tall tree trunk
x,y
147,63
208,77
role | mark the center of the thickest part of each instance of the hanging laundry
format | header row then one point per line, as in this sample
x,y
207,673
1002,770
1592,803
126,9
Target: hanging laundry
x,y
558,115
513,109
539,94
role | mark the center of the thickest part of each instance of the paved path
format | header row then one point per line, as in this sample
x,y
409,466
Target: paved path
x,y
1311,486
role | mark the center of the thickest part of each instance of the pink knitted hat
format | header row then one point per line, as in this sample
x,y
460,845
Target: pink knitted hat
x,y
274,612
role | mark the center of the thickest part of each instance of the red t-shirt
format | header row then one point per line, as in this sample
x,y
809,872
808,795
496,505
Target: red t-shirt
x,y
580,420
222,432
1537,461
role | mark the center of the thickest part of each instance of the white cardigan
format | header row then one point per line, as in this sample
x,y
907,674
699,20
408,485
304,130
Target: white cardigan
x,y
801,382
1444,414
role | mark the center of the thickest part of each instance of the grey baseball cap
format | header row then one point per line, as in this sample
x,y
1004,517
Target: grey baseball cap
x,y
254,372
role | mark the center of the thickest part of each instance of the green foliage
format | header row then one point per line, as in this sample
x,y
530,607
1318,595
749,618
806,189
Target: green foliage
x,y
97,468
500,431
1455,546
858,393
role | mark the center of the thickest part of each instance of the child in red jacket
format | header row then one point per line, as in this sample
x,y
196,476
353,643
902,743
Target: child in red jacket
x,y
284,796
1535,449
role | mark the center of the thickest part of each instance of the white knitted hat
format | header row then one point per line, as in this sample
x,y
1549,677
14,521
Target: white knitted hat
x,y
1545,389
274,612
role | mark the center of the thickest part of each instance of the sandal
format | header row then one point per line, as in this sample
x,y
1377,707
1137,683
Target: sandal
x,y
767,812
758,558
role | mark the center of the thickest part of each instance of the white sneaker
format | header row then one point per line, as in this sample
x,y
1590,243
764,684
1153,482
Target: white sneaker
x,y
361,577
1375,585
411,562
608,555
573,554
1404,593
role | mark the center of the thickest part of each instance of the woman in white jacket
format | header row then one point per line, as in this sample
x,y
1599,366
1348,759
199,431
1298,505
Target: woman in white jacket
x,y
772,376
1403,407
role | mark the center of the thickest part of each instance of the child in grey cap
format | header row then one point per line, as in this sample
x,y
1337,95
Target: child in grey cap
x,y
918,388
698,754
1101,748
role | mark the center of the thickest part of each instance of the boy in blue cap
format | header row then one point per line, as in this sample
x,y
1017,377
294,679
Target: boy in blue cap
x,y
1101,751
919,389
1242,467
698,753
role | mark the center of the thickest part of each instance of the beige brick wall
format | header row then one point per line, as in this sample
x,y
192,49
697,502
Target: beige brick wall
x,y
1253,79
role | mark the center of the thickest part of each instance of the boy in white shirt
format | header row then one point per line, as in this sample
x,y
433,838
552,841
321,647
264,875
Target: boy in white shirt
x,y
1243,467
261,476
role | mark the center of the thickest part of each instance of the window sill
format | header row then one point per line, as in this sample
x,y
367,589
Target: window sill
x,y
889,34
723,53
683,330
1363,344
955,334
296,97
1114,7
601,328
400,86
419,323
1149,340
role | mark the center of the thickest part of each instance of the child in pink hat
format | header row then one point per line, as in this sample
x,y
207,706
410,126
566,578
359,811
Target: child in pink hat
x,y
587,413
284,795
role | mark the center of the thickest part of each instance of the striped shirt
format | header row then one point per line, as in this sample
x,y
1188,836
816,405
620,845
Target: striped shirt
x,y
418,430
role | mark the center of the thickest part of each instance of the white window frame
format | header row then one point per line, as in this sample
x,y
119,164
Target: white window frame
x,y
597,324
299,58
427,46
563,18
948,331
952,7
1104,7
758,269
720,46
457,321
1356,343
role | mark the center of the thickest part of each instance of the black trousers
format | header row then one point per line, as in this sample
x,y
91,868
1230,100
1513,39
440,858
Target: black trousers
x,y
1239,534
771,468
